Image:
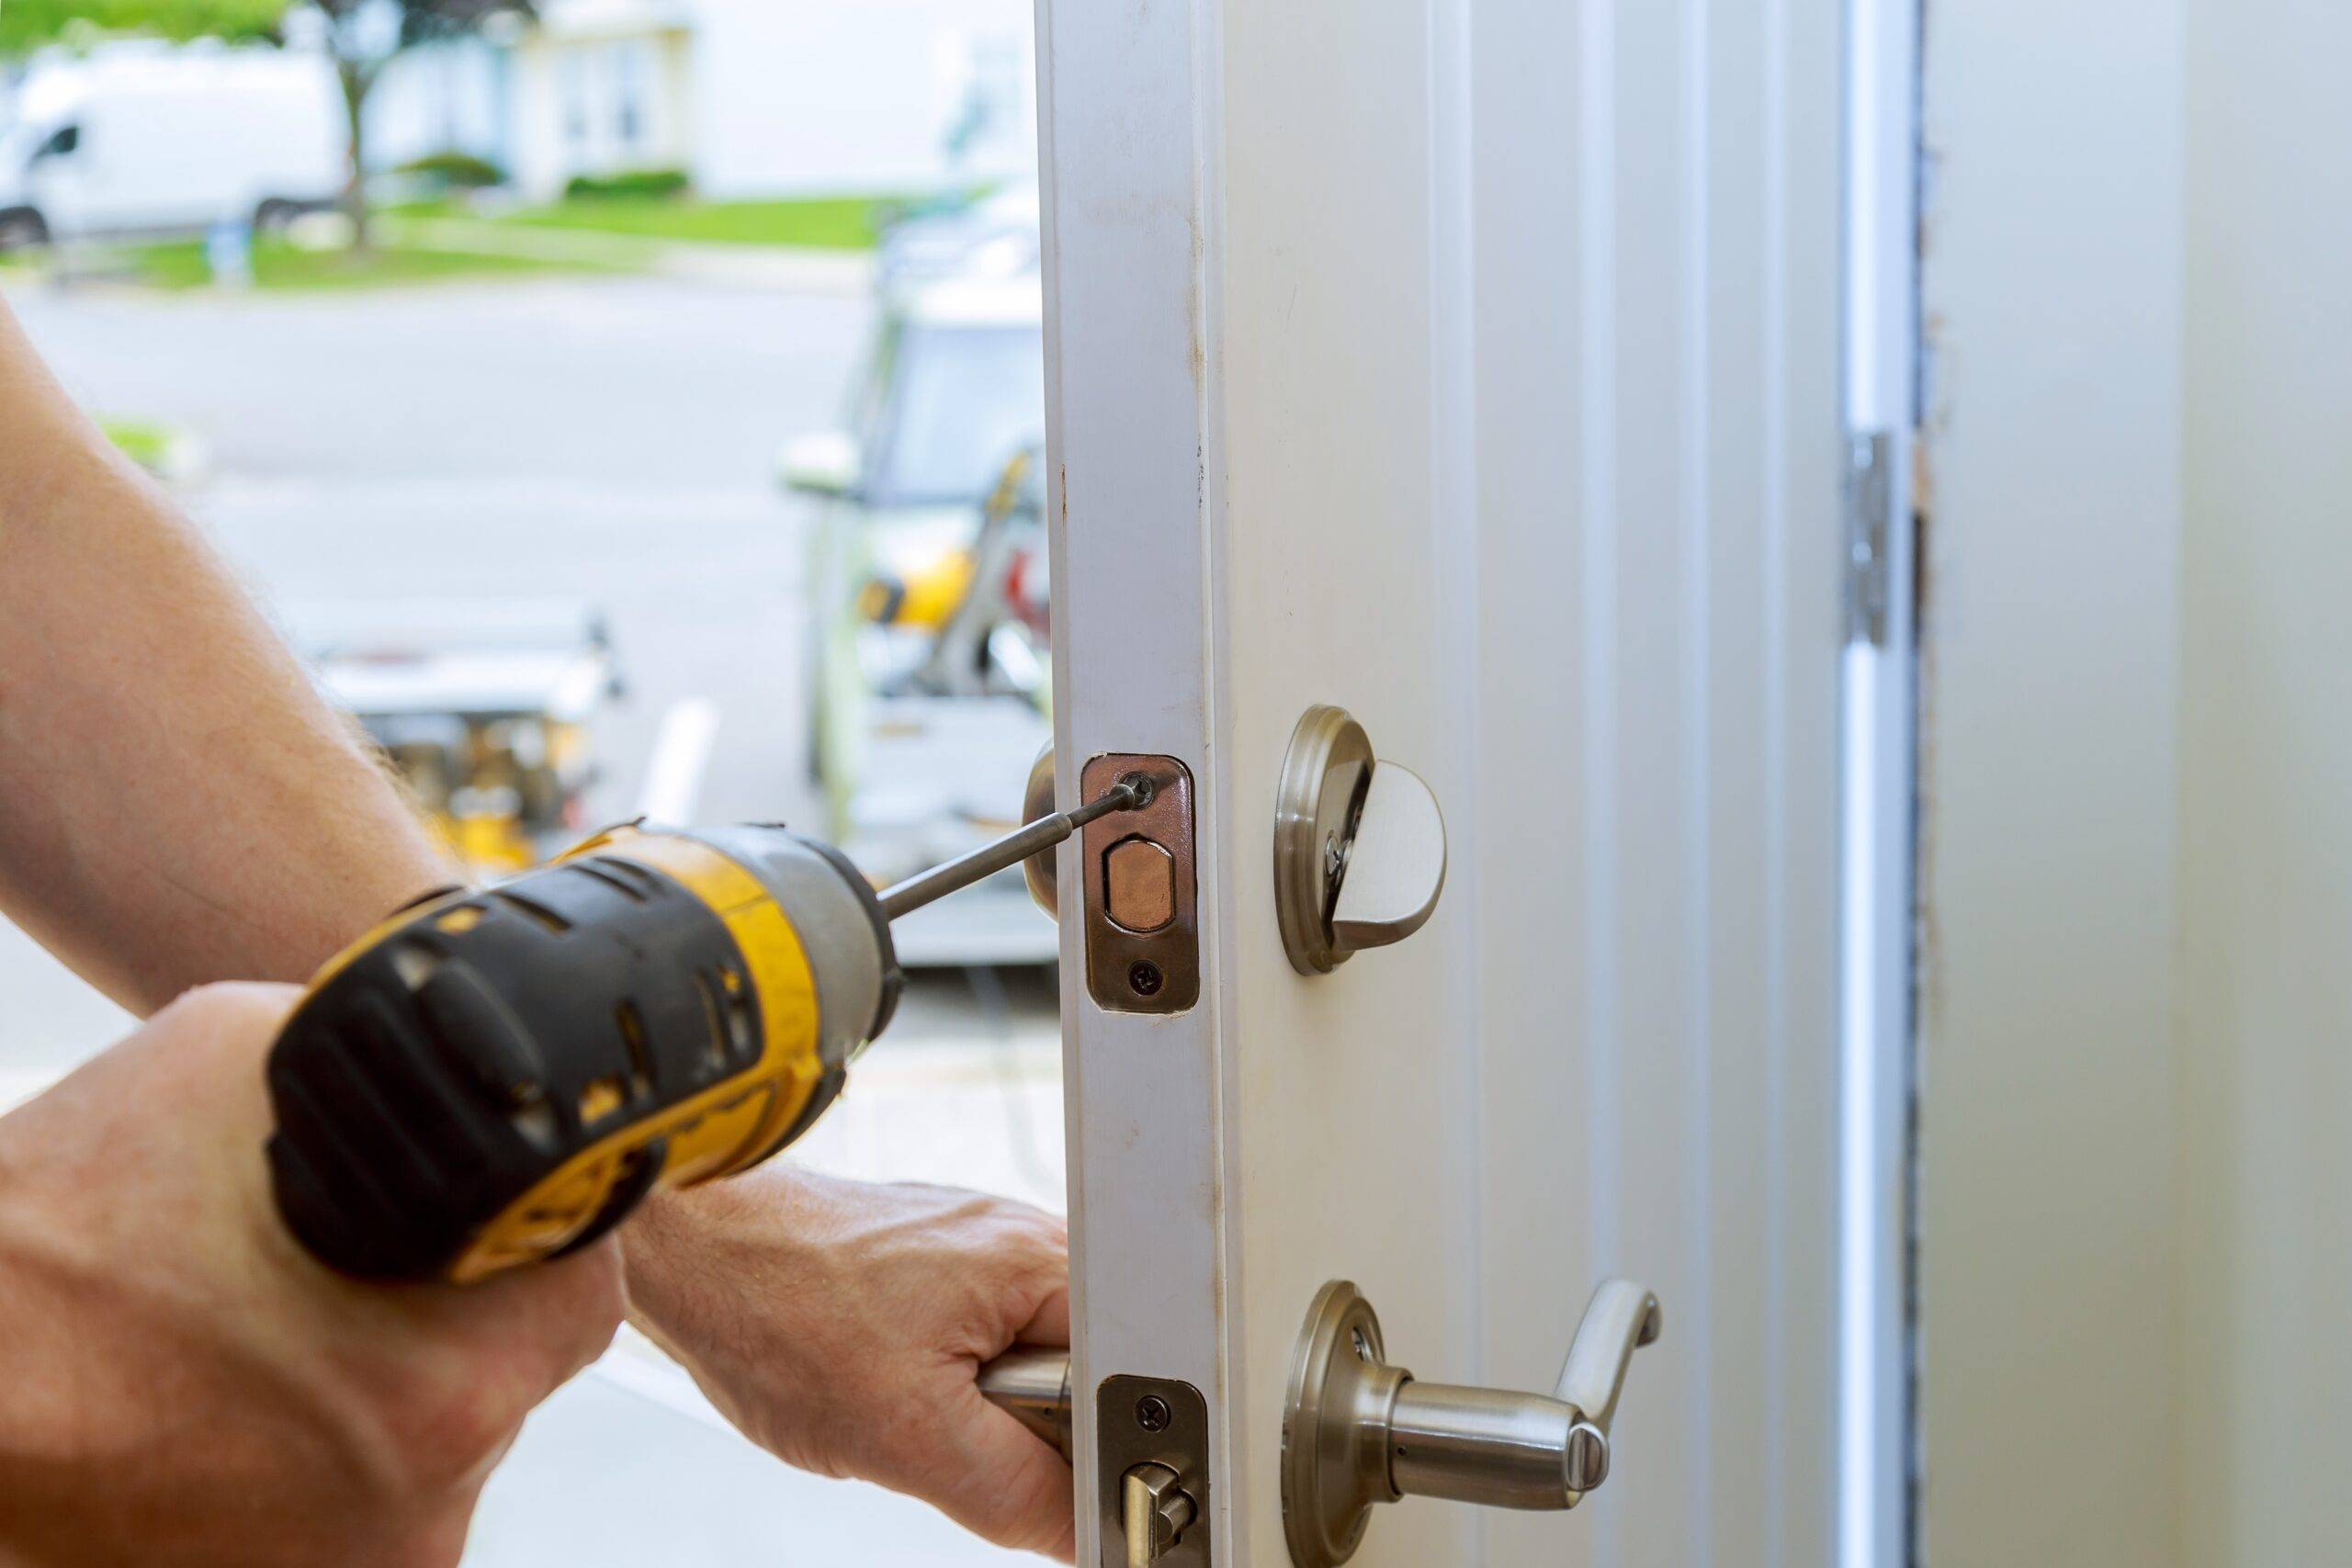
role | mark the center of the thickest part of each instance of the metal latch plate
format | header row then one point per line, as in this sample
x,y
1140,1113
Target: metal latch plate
x,y
1139,864
1140,1420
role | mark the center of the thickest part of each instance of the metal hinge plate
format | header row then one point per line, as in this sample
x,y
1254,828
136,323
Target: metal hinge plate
x,y
1869,512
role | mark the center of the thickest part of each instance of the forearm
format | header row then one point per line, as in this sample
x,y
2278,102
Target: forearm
x,y
177,804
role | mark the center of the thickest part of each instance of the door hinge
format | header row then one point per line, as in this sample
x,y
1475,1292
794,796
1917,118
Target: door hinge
x,y
1870,511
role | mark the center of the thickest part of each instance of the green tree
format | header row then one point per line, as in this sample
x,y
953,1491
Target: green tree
x,y
363,36
25,24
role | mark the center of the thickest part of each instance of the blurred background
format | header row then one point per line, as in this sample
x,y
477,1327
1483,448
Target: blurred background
x,y
627,406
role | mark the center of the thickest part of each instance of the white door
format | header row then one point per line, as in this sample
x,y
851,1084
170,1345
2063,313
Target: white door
x,y
1474,368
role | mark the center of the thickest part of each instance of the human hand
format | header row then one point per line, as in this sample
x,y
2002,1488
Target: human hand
x,y
181,1384
841,1324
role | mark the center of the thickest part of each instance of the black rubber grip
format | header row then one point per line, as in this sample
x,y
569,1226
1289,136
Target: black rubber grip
x,y
442,1073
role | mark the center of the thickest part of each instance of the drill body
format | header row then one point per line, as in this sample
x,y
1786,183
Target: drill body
x,y
497,1075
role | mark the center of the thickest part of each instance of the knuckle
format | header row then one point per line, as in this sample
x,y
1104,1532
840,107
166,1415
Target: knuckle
x,y
445,1420
1039,1247
973,1208
573,1310
591,1291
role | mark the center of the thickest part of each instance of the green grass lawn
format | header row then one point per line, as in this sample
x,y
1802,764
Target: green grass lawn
x,y
276,265
833,223
145,441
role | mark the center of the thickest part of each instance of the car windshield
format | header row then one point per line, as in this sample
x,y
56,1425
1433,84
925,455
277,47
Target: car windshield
x,y
968,399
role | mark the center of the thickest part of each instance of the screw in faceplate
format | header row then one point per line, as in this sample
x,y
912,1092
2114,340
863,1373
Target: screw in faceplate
x,y
1144,977
1152,1413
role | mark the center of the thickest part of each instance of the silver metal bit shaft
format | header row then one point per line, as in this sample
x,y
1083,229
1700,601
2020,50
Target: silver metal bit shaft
x,y
1128,795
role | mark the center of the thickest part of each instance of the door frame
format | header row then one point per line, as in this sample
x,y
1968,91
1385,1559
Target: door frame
x,y
1878,767
1147,440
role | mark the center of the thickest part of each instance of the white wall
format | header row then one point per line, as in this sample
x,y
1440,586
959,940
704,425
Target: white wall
x,y
2267,786
818,95
2049,755
2139,786
568,92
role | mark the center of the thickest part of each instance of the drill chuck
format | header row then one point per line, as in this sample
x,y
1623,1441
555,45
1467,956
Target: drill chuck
x,y
497,1075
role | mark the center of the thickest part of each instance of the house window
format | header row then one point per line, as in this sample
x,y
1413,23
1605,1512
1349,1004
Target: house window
x,y
631,85
572,74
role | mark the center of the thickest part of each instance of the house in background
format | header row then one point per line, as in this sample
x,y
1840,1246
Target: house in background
x,y
803,94
751,98
601,87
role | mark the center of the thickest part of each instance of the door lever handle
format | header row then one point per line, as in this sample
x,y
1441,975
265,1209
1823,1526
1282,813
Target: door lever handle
x,y
1620,1319
1359,1432
1032,1387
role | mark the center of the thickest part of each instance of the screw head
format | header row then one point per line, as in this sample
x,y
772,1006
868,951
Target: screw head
x,y
1152,1413
1144,977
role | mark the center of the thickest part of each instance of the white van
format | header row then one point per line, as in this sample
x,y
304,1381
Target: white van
x,y
141,139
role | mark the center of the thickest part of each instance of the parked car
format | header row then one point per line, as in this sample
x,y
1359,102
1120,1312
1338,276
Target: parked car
x,y
144,139
995,236
929,692
483,712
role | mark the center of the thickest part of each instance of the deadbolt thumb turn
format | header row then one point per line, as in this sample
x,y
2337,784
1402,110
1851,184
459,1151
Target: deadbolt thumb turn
x,y
1358,845
1358,1431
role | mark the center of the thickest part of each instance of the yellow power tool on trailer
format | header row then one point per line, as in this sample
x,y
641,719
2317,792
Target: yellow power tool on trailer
x,y
497,1075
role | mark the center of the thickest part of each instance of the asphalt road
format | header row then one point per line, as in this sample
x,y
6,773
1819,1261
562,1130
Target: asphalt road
x,y
605,440
610,440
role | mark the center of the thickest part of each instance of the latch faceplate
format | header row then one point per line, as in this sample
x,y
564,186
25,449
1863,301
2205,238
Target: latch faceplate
x,y
1153,1470
1143,946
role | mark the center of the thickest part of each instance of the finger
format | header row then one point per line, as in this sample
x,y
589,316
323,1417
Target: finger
x,y
1049,1325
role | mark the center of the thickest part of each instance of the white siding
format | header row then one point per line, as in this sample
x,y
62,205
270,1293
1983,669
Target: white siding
x,y
814,95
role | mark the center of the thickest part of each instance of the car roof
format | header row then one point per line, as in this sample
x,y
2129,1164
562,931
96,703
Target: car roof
x,y
1012,302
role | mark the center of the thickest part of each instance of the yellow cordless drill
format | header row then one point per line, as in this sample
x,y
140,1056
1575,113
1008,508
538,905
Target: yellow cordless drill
x,y
497,1075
